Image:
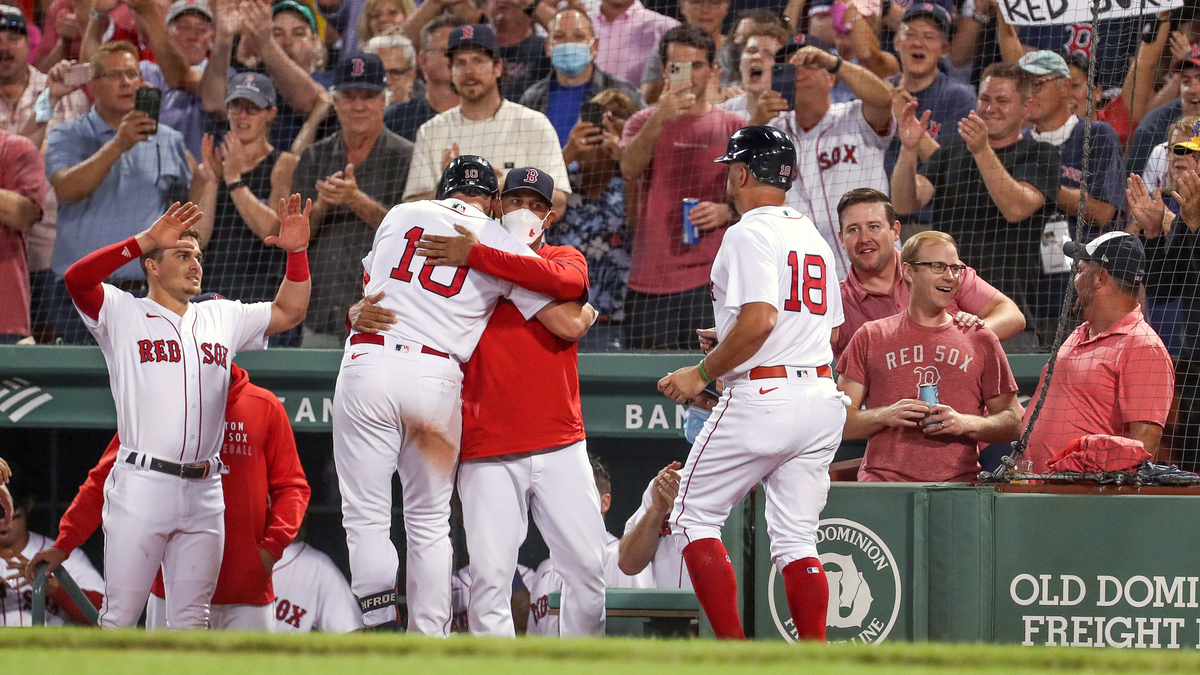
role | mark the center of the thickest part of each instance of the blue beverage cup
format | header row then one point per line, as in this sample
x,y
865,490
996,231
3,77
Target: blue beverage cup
x,y
691,235
928,393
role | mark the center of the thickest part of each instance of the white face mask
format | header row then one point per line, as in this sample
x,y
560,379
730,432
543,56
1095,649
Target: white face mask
x,y
524,224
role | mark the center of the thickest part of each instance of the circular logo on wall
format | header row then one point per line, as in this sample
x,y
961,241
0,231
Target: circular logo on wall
x,y
864,585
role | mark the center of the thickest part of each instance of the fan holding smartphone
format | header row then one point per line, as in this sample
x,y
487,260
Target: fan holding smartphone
x,y
758,76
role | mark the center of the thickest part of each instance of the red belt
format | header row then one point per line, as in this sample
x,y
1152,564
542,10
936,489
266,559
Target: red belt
x,y
765,372
369,339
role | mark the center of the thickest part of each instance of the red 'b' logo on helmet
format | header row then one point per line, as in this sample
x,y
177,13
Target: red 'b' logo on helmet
x,y
531,175
358,68
468,32
785,170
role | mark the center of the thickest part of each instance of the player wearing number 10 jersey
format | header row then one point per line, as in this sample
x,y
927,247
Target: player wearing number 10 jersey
x,y
397,406
780,416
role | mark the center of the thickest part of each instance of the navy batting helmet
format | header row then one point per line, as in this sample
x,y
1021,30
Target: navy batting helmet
x,y
468,171
767,151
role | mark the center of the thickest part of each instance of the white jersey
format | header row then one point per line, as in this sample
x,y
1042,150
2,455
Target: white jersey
x,y
460,595
311,593
841,153
16,602
169,374
547,580
444,308
667,566
775,255
1156,168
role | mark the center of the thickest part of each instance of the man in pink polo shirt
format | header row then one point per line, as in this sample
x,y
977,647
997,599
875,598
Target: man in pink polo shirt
x,y
934,389
23,189
626,33
875,289
668,157
1113,375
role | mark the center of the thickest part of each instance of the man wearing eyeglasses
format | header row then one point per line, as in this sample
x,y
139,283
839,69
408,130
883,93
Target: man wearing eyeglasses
x,y
115,171
934,389
1056,124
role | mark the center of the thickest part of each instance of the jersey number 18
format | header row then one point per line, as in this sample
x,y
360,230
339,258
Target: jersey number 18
x,y
402,273
811,293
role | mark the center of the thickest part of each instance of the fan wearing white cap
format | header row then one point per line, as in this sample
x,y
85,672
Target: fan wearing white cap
x,y
1112,375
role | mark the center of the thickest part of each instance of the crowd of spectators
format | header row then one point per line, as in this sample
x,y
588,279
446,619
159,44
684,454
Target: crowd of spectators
x,y
1013,140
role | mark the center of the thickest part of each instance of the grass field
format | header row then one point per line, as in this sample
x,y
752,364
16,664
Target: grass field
x,y
83,651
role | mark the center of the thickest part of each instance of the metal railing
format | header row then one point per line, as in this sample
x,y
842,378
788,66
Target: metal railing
x,y
77,596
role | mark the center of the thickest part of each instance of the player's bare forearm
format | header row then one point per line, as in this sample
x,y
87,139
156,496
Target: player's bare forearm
x,y
1149,433
750,330
290,305
1003,317
1016,201
639,545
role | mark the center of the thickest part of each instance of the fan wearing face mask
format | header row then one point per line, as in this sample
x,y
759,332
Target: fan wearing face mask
x,y
523,442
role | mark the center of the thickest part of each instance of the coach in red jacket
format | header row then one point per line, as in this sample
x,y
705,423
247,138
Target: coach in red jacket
x,y
523,442
266,496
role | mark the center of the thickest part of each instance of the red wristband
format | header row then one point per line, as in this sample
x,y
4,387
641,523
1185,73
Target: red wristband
x,y
297,266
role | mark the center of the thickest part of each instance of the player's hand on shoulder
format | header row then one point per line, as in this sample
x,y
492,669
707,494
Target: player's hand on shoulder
x,y
944,420
293,225
367,317
165,231
907,412
666,487
53,557
682,385
453,251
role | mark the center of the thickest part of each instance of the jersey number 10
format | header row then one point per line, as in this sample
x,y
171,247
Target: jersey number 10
x,y
402,273
811,293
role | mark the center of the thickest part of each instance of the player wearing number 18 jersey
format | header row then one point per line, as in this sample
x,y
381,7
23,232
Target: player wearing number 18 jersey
x,y
397,407
780,417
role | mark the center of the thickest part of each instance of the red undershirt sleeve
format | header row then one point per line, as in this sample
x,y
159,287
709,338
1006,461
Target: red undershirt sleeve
x,y
83,279
562,280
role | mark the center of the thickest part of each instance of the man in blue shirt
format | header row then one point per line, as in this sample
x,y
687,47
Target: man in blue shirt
x,y
1056,124
922,41
572,49
115,171
1154,126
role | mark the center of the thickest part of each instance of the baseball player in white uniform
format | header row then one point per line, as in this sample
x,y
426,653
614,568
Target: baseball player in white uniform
x,y
780,418
647,544
168,364
839,146
397,407
17,547
311,594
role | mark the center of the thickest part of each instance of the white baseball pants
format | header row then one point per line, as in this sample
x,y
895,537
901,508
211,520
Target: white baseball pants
x,y
383,397
154,520
781,431
254,618
497,494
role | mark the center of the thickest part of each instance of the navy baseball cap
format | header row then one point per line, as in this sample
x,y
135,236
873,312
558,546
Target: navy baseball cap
x,y
359,70
529,178
12,19
928,10
473,35
1120,253
799,40
254,87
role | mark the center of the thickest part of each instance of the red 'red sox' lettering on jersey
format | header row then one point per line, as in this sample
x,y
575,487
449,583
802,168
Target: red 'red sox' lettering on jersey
x,y
215,353
158,351
289,613
830,158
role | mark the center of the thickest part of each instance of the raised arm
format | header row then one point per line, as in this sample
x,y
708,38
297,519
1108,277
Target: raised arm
x,y
875,93
76,183
560,279
640,149
1138,89
1016,200
297,87
152,19
910,190
215,82
866,42
291,302
639,545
